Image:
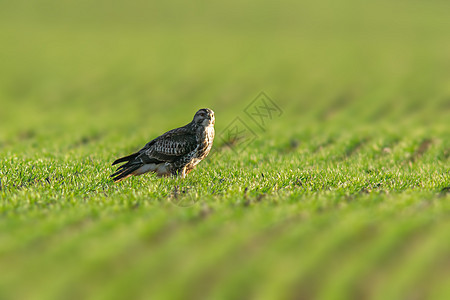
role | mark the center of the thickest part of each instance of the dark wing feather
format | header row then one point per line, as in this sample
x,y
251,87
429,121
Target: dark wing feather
x,y
170,146
125,158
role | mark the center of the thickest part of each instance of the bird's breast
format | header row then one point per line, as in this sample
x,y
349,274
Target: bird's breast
x,y
206,138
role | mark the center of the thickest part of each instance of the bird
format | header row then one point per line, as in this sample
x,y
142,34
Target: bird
x,y
174,153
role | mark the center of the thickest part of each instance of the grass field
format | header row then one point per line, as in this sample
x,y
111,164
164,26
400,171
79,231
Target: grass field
x,y
343,194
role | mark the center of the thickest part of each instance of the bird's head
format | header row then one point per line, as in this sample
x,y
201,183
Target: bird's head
x,y
204,117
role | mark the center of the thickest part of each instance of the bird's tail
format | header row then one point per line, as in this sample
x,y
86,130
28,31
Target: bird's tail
x,y
126,158
127,169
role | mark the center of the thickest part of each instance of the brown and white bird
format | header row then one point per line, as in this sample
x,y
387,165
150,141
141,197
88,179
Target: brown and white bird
x,y
176,152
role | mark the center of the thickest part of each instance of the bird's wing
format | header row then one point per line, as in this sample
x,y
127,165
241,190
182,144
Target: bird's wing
x,y
169,147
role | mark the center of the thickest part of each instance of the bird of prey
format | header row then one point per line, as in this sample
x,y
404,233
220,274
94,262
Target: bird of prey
x,y
175,153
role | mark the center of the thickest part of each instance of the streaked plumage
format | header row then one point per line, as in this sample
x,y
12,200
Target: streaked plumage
x,y
176,152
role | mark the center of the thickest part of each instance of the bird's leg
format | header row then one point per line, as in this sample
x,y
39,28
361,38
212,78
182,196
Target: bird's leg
x,y
183,173
179,173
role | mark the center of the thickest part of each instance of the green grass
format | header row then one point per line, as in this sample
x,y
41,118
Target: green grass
x,y
343,196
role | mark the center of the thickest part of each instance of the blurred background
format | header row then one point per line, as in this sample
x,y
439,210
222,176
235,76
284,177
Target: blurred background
x,y
98,66
364,87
